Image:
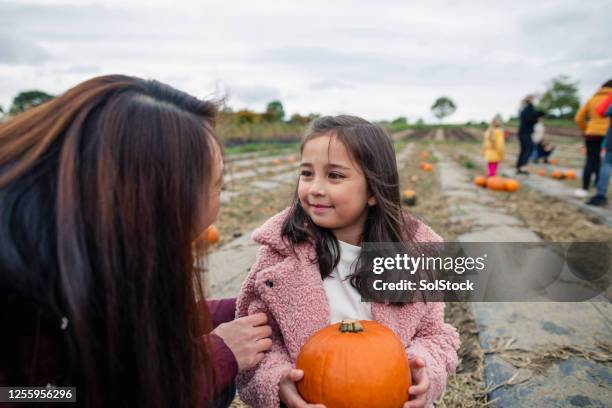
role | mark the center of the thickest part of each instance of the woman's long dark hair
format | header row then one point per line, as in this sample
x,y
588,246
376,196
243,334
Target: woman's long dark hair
x,y
100,192
372,150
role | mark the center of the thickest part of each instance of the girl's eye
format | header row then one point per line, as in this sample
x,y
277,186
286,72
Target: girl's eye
x,y
335,175
305,173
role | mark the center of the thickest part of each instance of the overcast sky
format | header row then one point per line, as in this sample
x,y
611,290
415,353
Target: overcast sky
x,y
379,59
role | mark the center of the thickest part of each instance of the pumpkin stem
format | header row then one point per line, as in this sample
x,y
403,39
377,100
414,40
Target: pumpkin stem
x,y
350,326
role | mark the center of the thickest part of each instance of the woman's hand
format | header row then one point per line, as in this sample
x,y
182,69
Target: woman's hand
x,y
420,384
288,392
248,338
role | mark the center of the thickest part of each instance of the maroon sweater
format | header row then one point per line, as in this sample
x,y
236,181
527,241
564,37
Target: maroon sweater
x,y
224,362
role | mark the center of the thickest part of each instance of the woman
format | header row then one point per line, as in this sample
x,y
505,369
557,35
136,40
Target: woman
x,y
102,191
594,129
528,118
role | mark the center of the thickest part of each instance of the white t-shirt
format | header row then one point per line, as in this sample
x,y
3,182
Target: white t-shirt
x,y
538,132
344,300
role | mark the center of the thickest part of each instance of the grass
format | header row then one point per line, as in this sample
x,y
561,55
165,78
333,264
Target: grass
x,y
232,133
401,127
550,122
261,147
277,146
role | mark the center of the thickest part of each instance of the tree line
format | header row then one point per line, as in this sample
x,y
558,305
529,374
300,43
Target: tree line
x,y
560,100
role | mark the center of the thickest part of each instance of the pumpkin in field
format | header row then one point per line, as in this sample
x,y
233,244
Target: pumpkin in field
x,y
212,235
553,161
409,197
424,155
356,364
512,185
276,162
291,159
541,172
570,175
496,183
208,237
426,166
557,174
480,181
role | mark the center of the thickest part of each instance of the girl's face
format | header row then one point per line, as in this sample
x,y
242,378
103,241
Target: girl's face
x,y
332,189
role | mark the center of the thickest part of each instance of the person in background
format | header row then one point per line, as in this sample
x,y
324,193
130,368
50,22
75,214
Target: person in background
x,y
493,145
604,109
528,118
543,150
594,128
542,146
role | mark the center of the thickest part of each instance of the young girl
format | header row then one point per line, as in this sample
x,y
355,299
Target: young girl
x,y
347,193
493,145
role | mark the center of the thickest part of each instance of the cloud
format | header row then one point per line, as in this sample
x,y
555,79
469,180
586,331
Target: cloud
x,y
330,84
17,51
254,94
379,60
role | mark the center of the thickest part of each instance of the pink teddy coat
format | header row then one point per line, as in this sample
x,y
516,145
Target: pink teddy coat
x,y
289,289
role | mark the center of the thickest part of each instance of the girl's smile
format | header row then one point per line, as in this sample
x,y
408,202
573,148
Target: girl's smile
x,y
332,188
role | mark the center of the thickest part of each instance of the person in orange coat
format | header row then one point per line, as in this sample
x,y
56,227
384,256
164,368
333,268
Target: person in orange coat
x,y
594,128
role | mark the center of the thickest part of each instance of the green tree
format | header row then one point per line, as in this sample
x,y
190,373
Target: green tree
x,y
443,107
274,112
28,99
298,119
246,116
561,98
401,121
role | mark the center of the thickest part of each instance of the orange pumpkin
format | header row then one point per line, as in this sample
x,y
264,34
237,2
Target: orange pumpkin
x,y
557,174
570,175
354,364
212,235
426,166
208,237
496,183
424,155
480,181
553,161
409,197
291,159
541,172
512,185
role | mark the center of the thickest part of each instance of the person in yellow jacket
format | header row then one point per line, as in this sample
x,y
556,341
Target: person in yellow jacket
x,y
594,128
493,145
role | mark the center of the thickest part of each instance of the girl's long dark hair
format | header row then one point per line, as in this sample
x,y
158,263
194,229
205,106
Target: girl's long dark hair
x,y
100,192
371,148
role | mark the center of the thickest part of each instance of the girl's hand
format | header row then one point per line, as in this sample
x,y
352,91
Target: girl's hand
x,y
288,392
420,384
